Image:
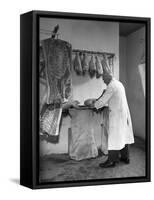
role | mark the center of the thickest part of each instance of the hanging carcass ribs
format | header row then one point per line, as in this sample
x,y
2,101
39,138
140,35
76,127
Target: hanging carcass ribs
x,y
58,64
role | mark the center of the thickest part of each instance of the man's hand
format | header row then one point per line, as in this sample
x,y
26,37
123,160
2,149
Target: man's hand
x,y
75,104
70,104
92,105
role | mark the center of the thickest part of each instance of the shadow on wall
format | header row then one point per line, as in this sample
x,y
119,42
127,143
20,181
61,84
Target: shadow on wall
x,y
136,101
131,78
85,87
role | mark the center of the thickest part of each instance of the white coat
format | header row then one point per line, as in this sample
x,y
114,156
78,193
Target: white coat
x,y
120,126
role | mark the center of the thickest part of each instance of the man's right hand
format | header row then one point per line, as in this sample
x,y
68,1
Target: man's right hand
x,y
92,105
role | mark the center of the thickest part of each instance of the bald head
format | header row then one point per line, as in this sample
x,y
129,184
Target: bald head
x,y
107,78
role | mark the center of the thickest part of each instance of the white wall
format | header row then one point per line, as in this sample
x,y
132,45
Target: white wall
x,y
89,35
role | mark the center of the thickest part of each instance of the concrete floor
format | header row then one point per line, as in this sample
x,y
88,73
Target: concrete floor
x,y
59,167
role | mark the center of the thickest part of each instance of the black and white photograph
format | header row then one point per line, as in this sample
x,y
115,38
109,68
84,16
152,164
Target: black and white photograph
x,y
76,100
92,99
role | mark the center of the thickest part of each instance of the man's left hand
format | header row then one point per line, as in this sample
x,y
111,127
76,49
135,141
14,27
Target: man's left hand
x,y
92,105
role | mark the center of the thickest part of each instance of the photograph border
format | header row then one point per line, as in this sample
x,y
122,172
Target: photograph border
x,y
30,177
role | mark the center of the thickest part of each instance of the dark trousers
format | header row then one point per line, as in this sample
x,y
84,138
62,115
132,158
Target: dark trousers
x,y
115,155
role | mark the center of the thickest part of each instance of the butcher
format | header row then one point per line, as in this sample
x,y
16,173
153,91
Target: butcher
x,y
120,132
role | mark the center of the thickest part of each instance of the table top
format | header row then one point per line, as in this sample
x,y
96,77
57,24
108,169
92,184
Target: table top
x,y
83,107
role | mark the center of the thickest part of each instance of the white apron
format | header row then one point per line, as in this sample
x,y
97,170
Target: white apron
x,y
120,126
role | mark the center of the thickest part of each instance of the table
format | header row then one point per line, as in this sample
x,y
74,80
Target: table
x,y
84,123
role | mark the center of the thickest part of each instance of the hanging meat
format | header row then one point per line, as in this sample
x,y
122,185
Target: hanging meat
x,y
85,64
50,123
92,67
77,64
58,62
99,69
106,66
111,64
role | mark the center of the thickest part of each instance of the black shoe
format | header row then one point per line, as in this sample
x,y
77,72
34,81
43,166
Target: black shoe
x,y
107,164
125,160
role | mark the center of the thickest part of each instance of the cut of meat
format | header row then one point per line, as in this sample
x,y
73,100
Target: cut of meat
x,y
106,67
92,66
77,64
85,64
58,64
58,61
99,69
49,122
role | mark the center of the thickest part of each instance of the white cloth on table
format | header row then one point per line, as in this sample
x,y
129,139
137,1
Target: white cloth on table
x,y
82,142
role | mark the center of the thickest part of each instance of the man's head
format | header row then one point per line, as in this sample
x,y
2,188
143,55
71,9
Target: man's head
x,y
106,78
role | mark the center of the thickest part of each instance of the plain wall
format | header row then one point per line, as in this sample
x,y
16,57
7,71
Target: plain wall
x,y
89,35
122,60
131,49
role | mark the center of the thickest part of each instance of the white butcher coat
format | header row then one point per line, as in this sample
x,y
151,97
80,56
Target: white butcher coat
x,y
120,126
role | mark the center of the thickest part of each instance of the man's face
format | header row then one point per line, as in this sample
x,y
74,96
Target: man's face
x,y
106,78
